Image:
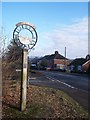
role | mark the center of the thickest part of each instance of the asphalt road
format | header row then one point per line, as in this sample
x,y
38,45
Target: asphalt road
x,y
77,86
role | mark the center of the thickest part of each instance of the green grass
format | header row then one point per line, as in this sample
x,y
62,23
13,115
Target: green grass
x,y
75,105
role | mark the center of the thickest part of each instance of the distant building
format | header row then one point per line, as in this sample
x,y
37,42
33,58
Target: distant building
x,y
88,57
76,65
86,65
55,61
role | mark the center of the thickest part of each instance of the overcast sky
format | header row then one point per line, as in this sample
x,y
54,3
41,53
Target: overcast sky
x,y
58,24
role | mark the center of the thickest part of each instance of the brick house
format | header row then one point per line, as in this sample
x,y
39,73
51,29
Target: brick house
x,y
77,64
55,61
86,65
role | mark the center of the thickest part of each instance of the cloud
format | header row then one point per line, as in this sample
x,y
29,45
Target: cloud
x,y
72,36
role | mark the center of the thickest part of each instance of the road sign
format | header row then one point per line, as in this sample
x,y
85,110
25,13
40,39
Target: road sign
x,y
25,36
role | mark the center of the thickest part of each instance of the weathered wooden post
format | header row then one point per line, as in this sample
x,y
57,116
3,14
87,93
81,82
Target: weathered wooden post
x,y
26,42
0,87
24,77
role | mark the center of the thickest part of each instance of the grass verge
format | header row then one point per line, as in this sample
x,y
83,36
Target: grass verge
x,y
42,102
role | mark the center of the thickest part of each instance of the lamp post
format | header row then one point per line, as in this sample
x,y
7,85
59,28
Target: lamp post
x,y
25,36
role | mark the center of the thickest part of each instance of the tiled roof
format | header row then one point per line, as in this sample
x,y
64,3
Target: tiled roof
x,y
78,61
54,56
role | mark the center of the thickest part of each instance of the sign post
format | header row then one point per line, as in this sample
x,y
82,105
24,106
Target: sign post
x,y
24,79
25,36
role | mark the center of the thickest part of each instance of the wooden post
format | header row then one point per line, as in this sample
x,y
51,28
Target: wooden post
x,y
24,79
0,87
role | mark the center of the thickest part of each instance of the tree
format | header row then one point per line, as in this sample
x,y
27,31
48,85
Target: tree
x,y
2,42
43,64
12,59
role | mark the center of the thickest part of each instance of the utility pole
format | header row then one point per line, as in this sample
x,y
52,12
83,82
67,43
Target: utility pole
x,y
65,58
65,52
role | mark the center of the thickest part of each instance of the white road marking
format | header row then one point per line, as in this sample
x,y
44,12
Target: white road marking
x,y
33,78
50,79
56,80
53,79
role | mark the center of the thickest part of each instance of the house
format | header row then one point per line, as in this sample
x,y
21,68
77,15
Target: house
x,y
54,61
76,65
88,57
86,65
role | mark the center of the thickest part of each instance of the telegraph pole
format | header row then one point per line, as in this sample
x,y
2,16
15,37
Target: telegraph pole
x,y
65,58
65,52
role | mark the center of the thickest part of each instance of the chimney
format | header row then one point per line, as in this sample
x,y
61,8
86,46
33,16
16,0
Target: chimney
x,y
56,52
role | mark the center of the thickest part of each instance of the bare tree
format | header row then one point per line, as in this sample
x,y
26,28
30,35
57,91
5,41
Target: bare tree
x,y
2,42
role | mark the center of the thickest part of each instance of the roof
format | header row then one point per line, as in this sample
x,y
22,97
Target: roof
x,y
78,61
53,56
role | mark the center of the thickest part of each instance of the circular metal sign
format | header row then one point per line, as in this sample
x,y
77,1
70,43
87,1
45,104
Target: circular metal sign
x,y
25,35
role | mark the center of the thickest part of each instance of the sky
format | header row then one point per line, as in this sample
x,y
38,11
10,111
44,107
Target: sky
x,y
58,25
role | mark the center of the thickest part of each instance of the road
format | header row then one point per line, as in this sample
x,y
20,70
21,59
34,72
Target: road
x,y
74,85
